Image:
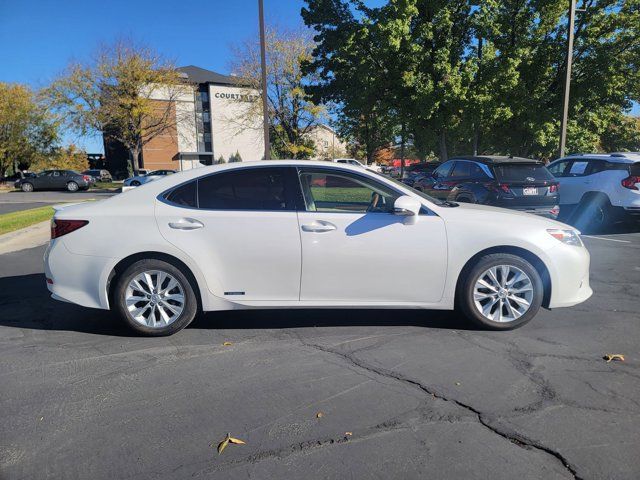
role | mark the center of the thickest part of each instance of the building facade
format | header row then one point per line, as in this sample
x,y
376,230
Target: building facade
x,y
214,121
328,145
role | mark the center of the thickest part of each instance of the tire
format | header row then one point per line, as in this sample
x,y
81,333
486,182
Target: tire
x,y
464,199
164,316
593,215
27,187
72,186
135,183
512,313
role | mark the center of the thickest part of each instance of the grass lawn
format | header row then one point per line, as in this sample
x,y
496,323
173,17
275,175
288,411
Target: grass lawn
x,y
341,194
17,220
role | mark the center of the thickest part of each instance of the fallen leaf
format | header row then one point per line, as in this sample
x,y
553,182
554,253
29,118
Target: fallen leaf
x,y
319,415
348,434
41,418
237,441
458,383
223,444
227,344
613,356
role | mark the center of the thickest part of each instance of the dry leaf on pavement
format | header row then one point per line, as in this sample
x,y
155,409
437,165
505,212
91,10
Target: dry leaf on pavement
x,y
319,415
613,356
227,344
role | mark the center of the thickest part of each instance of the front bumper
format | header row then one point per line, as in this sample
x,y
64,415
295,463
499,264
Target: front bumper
x,y
569,272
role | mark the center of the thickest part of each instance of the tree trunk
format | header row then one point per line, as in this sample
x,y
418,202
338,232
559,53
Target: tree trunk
x,y
443,146
134,158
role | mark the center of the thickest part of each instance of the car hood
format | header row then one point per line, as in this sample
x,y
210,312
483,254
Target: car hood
x,y
496,215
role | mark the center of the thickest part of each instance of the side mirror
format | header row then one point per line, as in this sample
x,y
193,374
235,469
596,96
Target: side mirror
x,y
406,206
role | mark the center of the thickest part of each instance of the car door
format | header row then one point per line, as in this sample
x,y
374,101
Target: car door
x,y
571,176
355,250
439,185
240,226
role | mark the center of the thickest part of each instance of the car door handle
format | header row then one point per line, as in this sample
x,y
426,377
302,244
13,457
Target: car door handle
x,y
186,224
319,226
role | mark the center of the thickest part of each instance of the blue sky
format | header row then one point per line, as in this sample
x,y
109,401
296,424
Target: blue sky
x,y
39,37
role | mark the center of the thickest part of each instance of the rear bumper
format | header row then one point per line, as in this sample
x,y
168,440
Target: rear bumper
x,y
75,278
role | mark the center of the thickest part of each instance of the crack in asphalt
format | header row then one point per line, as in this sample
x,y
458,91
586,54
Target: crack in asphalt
x,y
510,435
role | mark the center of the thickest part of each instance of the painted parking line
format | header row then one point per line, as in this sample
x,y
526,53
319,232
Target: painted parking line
x,y
605,238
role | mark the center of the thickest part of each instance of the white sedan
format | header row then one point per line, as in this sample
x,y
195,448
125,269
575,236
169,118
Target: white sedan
x,y
147,177
300,234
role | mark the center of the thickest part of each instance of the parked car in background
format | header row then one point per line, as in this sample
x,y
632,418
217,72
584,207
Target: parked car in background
x,y
597,189
358,163
303,234
99,175
508,182
17,176
418,170
55,180
148,177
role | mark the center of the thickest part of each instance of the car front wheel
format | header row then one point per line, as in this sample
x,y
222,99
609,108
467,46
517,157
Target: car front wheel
x,y
155,298
500,292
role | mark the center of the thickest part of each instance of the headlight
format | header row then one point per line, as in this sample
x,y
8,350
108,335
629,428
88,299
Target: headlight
x,y
570,237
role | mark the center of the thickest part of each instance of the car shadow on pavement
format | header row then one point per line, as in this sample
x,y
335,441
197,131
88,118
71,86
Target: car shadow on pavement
x,y
26,303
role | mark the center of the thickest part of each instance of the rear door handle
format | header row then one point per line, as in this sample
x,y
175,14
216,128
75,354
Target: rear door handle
x,y
319,226
186,224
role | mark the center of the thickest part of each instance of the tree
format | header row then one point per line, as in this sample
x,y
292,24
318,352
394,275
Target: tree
x,y
128,93
27,131
63,158
292,113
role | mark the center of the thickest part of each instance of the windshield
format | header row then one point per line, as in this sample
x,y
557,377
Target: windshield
x,y
413,190
527,172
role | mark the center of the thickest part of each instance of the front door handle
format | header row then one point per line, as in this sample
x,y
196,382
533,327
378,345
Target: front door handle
x,y
186,224
319,226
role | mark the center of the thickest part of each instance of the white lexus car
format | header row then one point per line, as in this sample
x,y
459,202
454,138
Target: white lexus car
x,y
288,234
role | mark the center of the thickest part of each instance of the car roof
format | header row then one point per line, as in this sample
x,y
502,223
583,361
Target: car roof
x,y
621,157
495,159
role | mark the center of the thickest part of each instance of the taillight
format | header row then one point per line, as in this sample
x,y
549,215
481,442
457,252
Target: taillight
x,y
61,227
630,182
499,187
86,178
553,188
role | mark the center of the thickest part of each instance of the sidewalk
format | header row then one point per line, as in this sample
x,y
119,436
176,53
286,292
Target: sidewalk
x,y
29,237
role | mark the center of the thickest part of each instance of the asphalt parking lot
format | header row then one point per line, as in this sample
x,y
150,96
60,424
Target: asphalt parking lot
x,y
323,394
16,201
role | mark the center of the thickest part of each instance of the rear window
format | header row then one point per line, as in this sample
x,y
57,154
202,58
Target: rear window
x,y
634,169
522,173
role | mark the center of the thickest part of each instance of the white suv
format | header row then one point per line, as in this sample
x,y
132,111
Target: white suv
x,y
596,189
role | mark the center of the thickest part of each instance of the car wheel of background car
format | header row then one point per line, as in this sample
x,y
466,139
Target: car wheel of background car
x,y
135,183
500,292
155,298
26,187
464,199
593,214
72,186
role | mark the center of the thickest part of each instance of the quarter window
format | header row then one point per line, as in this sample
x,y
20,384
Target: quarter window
x,y
340,192
245,189
184,195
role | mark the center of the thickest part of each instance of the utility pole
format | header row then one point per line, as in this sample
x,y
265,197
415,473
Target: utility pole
x,y
567,80
263,67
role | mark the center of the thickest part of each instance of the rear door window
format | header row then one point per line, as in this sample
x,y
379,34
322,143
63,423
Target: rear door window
x,y
461,170
578,168
525,172
443,170
263,188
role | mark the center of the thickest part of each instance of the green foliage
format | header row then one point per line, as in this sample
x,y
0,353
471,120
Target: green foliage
x,y
221,159
454,76
63,158
27,131
235,157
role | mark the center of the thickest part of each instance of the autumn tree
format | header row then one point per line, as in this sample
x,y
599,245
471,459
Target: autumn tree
x,y
27,131
128,92
292,112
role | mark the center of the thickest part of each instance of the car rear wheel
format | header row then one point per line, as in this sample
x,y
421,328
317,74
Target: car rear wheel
x,y
155,298
135,183
26,187
593,215
72,186
500,292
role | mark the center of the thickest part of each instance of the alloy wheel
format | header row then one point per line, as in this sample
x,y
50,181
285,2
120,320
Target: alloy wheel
x,y
72,186
154,299
503,293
